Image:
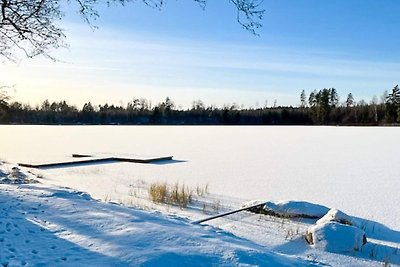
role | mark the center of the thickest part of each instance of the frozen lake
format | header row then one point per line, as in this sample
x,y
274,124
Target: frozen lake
x,y
354,169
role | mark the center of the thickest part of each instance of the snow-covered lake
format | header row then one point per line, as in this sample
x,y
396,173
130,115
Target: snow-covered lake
x,y
354,169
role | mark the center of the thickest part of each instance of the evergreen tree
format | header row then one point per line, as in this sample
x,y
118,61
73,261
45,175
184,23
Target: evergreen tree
x,y
333,97
394,97
398,114
312,101
350,100
303,99
392,105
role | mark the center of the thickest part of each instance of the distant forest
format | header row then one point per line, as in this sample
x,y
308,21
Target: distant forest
x,y
318,108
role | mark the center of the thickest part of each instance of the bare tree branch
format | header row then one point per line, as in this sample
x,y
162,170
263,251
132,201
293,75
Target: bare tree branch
x,y
31,25
249,14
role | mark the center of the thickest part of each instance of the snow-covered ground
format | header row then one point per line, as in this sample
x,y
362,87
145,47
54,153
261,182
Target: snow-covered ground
x,y
352,169
51,226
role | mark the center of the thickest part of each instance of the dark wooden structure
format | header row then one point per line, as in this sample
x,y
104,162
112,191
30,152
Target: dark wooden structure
x,y
88,159
250,208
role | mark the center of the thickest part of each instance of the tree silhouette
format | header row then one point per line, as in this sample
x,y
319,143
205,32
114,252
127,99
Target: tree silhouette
x,y
394,97
350,100
393,105
303,99
3,104
32,25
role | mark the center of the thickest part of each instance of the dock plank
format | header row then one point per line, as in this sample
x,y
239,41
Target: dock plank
x,y
63,163
128,158
87,159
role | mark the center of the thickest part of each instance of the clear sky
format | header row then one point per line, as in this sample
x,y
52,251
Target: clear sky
x,y
187,54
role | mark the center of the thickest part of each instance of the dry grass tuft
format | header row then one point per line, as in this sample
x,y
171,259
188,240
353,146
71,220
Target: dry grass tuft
x,y
158,192
179,195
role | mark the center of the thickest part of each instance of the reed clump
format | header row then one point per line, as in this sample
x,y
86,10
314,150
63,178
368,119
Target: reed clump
x,y
177,194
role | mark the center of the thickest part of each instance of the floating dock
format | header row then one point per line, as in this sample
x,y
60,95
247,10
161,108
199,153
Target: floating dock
x,y
78,159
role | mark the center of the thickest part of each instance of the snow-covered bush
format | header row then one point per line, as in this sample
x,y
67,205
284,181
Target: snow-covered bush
x,y
293,208
15,177
16,173
336,237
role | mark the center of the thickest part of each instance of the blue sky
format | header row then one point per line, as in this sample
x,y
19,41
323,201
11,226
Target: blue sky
x,y
187,54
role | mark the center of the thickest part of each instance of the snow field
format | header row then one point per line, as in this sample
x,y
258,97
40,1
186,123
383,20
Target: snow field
x,y
51,226
347,168
350,168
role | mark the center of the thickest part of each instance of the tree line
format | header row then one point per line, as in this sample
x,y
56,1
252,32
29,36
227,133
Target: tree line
x,y
320,107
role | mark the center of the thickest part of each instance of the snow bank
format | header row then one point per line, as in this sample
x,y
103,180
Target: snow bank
x,y
3,174
340,217
337,232
336,237
51,226
15,177
295,209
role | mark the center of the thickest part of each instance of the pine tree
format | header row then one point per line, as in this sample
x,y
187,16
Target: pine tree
x,y
303,99
393,105
394,97
350,100
333,97
312,100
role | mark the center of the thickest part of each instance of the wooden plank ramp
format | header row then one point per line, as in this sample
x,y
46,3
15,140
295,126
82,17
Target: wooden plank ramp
x,y
228,213
101,158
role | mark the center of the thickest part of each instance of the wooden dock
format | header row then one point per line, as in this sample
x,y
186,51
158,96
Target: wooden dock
x,y
126,158
78,159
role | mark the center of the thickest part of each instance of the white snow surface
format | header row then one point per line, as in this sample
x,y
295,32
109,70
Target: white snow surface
x,y
348,168
51,226
47,225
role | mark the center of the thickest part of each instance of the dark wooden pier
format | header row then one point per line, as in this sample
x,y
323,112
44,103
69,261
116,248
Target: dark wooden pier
x,y
88,159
